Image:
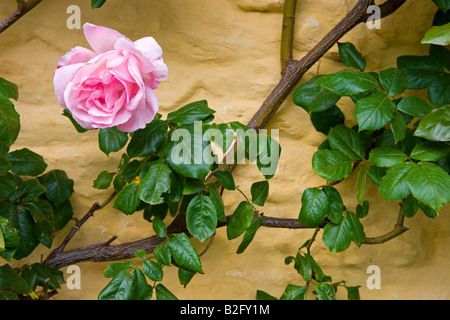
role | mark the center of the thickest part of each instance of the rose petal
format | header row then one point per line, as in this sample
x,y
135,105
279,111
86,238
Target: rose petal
x,y
76,55
62,78
149,48
142,116
100,38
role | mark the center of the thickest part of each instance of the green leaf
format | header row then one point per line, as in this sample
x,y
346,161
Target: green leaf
x,y
240,220
358,235
140,254
5,165
442,54
192,186
336,205
317,272
353,293
410,206
259,191
155,183
420,71
250,234
394,81
187,150
148,140
21,220
162,254
153,211
42,213
159,227
26,162
66,113
444,5
332,165
348,82
430,213
104,180
337,237
9,241
314,98
374,111
362,210
387,156
429,184
347,141
314,207
128,200
59,186
217,201
114,269
183,253
351,57
119,288
62,214
10,279
394,185
226,179
303,267
361,184
152,270
97,3
325,291
185,276
261,295
435,125
30,190
430,151
111,140
44,273
398,127
414,106
141,289
195,111
439,35
162,293
439,90
8,295
176,188
267,159
201,217
293,292
8,89
325,120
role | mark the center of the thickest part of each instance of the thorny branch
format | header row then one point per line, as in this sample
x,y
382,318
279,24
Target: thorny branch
x,y
22,8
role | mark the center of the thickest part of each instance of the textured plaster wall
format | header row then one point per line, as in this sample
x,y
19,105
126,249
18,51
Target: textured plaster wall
x,y
227,51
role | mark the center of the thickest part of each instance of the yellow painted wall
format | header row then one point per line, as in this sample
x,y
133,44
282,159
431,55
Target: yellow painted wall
x,y
227,51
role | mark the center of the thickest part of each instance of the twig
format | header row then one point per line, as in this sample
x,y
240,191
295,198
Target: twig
x,y
398,230
22,9
287,34
96,206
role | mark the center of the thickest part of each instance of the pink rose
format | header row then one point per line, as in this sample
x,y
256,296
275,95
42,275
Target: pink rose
x,y
112,86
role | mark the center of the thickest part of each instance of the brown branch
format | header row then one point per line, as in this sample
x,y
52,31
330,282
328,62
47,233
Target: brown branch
x,y
287,34
101,252
22,9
